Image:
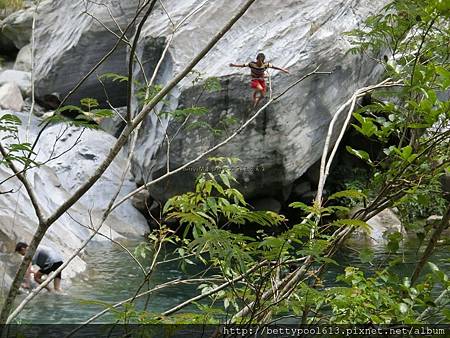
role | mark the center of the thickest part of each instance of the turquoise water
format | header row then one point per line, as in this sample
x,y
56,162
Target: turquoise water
x,y
113,276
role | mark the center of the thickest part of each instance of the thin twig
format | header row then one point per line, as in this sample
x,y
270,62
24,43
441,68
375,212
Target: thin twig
x,y
232,136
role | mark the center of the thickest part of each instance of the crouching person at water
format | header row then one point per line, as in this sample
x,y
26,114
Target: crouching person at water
x,y
47,259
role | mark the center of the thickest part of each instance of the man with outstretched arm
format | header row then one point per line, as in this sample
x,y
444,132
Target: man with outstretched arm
x,y
47,259
258,73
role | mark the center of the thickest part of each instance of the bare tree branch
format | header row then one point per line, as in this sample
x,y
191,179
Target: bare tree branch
x,y
26,183
33,48
443,224
132,53
43,226
228,139
326,165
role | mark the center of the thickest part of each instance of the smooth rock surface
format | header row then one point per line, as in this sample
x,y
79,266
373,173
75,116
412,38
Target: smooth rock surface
x,y
20,78
74,167
288,137
68,158
70,45
10,97
383,223
17,27
23,59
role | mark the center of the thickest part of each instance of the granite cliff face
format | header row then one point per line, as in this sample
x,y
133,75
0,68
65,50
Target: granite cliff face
x,y
275,150
281,144
74,154
287,139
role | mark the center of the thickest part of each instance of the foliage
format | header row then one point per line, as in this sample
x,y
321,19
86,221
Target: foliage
x,y
16,150
380,299
409,123
197,117
207,212
411,39
87,115
275,268
12,4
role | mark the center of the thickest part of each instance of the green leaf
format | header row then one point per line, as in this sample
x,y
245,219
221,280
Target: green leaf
x,y
212,84
225,180
114,77
433,267
349,194
103,113
89,102
363,155
366,255
71,108
356,223
394,239
445,75
300,205
403,308
10,119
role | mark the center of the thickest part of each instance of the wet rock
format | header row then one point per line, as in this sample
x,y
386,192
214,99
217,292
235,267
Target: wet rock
x,y
381,225
37,109
68,157
10,97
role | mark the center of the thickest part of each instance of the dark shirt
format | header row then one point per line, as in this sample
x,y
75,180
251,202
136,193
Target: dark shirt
x,y
45,257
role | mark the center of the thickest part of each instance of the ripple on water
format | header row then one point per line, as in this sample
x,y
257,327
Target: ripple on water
x,y
113,276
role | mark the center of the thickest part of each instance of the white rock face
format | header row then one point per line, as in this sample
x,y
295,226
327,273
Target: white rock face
x,y
54,182
10,97
23,59
18,221
17,27
285,140
74,167
20,78
70,45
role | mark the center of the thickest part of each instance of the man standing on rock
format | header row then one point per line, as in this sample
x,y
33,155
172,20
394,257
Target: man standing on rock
x,y
48,260
258,72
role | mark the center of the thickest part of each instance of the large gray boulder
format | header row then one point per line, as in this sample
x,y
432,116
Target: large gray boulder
x,y
74,167
20,78
288,137
10,96
17,27
18,221
69,46
68,156
23,59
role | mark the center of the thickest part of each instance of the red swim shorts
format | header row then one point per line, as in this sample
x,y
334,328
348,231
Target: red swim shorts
x,y
256,82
